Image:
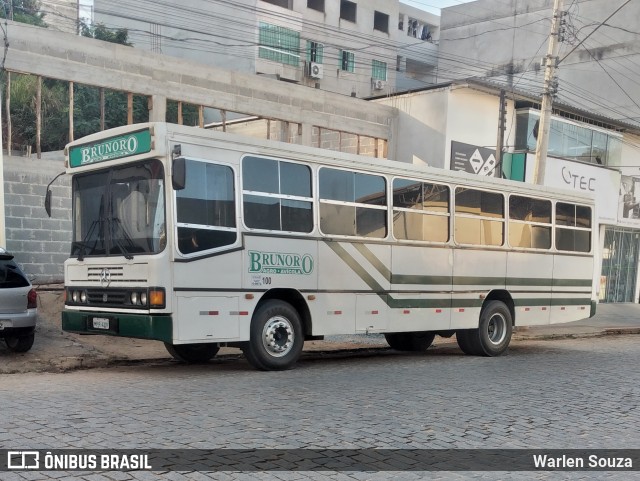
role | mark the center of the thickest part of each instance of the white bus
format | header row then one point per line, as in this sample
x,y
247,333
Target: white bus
x,y
201,239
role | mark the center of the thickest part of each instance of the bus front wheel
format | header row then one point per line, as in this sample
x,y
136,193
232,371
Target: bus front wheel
x,y
276,338
192,353
493,334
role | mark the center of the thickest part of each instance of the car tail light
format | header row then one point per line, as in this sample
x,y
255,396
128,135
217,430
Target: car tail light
x,y
32,299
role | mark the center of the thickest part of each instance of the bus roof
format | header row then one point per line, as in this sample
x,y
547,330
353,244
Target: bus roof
x,y
162,133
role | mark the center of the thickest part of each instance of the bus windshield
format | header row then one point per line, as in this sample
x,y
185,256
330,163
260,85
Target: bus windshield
x,y
119,211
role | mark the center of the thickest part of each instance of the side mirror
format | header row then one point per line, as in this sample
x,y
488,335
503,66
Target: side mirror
x,y
179,173
47,202
47,196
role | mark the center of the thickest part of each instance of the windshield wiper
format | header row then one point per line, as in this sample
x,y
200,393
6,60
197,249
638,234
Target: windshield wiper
x,y
118,241
84,244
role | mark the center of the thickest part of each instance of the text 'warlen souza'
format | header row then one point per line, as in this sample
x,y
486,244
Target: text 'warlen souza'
x,y
542,461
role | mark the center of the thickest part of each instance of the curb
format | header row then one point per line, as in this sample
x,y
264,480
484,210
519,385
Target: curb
x,y
577,335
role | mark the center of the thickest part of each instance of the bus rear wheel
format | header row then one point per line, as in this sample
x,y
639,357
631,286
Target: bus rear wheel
x,y
276,338
192,353
410,341
493,335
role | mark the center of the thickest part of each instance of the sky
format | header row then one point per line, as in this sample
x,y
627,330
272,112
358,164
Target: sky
x,y
433,6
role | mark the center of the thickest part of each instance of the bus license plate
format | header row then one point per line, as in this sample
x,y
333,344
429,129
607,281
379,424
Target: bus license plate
x,y
100,323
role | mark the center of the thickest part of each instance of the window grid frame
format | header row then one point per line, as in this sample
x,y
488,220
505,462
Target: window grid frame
x,y
280,196
278,44
379,70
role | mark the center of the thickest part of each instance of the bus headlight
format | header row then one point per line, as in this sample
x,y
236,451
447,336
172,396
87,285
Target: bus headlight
x,y
75,296
143,298
83,297
134,298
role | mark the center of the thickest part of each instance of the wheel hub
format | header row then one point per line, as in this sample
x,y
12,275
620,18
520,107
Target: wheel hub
x,y
278,336
497,329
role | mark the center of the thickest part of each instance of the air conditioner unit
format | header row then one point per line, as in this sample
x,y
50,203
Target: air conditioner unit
x,y
316,70
379,84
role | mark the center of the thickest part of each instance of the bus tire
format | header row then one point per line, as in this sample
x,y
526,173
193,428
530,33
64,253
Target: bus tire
x,y
493,334
192,353
464,342
410,341
276,338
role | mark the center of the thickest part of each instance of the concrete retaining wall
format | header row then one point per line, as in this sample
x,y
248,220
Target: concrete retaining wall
x,y
40,244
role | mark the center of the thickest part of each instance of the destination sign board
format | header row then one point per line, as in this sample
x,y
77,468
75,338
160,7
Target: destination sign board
x,y
118,147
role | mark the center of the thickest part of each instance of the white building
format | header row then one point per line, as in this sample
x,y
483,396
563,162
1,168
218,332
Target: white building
x,y
351,47
457,124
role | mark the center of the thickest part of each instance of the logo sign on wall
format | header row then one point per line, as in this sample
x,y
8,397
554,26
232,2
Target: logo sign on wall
x,y
474,159
602,183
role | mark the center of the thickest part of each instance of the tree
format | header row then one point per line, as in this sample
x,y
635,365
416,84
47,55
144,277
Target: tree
x,y
100,31
55,113
24,11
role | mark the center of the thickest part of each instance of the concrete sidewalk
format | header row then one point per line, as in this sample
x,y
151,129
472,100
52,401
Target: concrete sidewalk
x,y
621,318
57,351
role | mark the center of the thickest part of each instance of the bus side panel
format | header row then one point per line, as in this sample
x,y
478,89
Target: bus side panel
x,y
279,262
421,288
475,273
348,268
529,280
572,287
333,313
208,318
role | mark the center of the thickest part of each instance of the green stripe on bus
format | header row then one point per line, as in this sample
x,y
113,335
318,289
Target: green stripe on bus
x,y
487,281
565,301
159,328
355,267
375,262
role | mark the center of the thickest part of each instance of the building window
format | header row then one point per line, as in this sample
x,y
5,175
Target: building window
x,y
315,52
569,140
279,44
316,5
280,3
378,70
381,22
348,10
347,61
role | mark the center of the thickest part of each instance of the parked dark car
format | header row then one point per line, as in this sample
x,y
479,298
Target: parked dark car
x,y
18,305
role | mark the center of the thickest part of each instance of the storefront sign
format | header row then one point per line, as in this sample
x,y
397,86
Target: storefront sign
x,y
474,159
602,183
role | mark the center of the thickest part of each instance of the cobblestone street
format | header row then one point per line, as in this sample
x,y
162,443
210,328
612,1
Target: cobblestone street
x,y
544,394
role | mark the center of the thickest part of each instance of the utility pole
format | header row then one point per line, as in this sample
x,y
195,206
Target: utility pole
x,y
502,123
542,144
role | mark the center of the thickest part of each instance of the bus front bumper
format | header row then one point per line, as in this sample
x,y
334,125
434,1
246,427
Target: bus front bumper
x,y
140,326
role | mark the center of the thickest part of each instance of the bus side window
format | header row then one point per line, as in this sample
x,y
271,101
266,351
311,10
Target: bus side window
x,y
529,222
573,227
206,208
353,203
420,211
276,195
479,217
